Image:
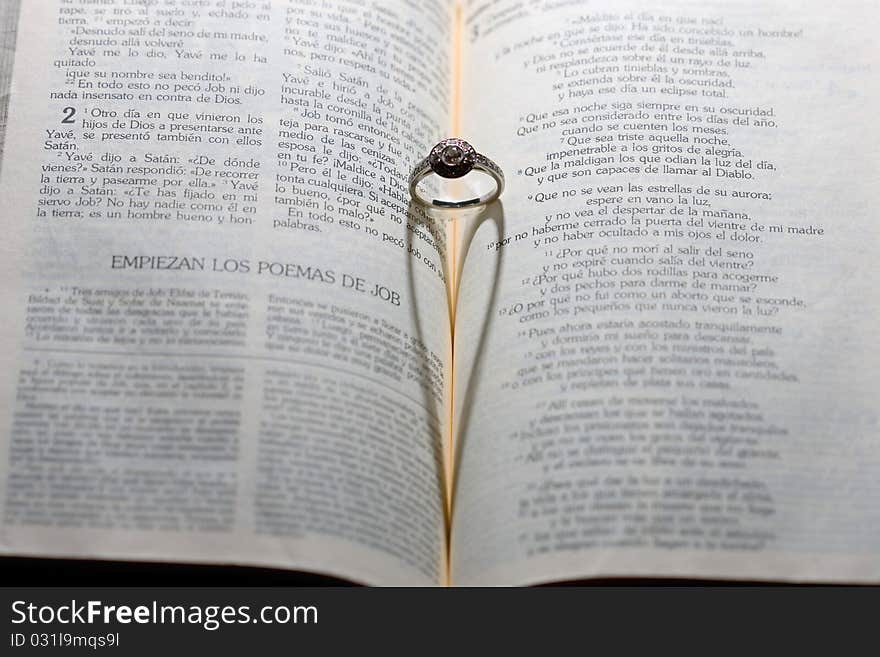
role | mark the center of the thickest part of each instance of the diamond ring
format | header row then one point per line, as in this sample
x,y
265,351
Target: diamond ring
x,y
455,158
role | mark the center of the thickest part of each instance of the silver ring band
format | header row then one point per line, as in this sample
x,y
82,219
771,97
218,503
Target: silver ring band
x,y
455,158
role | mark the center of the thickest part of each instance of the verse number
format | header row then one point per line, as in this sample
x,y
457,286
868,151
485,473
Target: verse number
x,y
69,113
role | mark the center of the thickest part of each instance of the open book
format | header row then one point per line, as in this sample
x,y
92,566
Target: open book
x,y
230,338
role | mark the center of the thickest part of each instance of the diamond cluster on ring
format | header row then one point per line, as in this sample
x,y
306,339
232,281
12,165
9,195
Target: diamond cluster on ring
x,y
452,158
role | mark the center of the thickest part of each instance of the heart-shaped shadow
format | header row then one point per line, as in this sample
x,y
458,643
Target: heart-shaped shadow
x,y
465,224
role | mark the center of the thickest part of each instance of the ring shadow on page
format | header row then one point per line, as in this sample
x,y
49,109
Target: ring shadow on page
x,y
436,226
436,221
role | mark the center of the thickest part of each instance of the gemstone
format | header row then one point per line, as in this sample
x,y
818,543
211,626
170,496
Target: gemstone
x,y
452,155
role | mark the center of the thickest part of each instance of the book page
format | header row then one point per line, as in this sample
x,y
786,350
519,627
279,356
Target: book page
x,y
665,358
225,338
8,25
